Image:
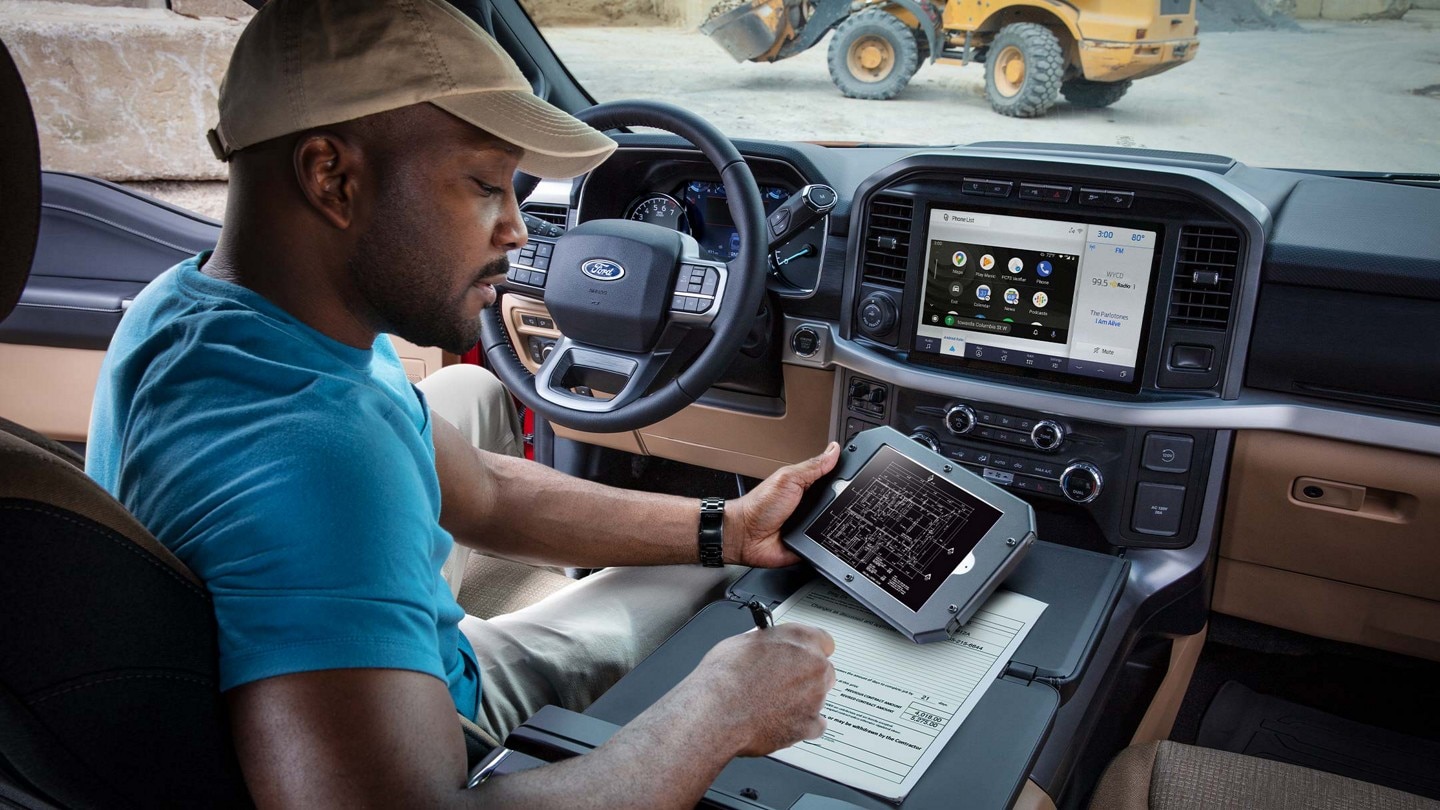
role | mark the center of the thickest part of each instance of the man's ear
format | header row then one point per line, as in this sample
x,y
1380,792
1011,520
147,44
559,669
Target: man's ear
x,y
328,168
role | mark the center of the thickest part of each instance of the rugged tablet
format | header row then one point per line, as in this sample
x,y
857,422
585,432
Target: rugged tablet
x,y
916,538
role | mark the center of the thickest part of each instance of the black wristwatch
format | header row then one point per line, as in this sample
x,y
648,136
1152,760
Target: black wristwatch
x,y
712,532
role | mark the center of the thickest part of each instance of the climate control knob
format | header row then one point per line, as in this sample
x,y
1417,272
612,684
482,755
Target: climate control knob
x,y
927,437
1046,435
1081,482
877,315
960,419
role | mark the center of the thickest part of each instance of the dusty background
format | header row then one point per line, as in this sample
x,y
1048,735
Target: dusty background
x,y
127,93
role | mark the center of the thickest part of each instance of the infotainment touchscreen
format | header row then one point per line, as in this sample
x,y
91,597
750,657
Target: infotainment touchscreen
x,y
1049,295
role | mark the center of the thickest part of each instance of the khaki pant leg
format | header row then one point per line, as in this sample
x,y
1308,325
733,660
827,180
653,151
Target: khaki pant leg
x,y
567,649
474,401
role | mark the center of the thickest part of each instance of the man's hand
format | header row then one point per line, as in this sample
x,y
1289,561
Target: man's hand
x,y
761,691
752,524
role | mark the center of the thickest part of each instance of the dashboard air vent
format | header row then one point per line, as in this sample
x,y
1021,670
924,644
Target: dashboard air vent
x,y
887,239
1205,277
550,212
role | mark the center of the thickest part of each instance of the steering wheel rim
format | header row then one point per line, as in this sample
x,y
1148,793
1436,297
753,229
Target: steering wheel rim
x,y
743,280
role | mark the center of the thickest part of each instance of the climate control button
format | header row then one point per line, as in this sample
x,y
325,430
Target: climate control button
x,y
1081,482
927,437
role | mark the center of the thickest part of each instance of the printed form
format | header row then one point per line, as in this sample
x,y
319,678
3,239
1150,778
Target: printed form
x,y
896,703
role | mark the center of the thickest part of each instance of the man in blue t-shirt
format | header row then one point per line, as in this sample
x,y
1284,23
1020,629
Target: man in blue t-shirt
x,y
253,414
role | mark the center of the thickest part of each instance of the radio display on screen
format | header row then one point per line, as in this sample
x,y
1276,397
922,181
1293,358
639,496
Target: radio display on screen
x,y
1067,298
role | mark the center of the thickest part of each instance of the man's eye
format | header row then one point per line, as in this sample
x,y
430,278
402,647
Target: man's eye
x,y
487,188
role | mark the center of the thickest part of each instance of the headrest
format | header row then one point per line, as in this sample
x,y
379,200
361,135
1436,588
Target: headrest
x,y
19,184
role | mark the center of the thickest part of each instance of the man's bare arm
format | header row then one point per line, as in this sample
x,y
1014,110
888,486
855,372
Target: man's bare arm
x,y
390,738
529,512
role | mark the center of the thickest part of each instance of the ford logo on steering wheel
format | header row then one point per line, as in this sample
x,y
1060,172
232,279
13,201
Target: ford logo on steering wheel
x,y
603,270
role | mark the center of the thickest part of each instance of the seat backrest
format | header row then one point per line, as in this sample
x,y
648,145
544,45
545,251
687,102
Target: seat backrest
x,y
108,665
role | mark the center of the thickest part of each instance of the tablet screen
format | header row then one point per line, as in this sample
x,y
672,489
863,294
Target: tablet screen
x,y
902,526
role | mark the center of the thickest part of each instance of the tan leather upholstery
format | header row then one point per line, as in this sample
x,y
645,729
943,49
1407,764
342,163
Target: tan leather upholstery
x,y
1171,776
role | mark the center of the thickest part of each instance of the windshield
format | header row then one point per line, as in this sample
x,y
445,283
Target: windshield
x,y
1267,82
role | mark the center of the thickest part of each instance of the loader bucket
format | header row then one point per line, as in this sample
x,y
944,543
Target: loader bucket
x,y
749,30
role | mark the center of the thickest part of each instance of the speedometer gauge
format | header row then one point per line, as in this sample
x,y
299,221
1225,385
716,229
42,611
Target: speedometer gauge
x,y
660,209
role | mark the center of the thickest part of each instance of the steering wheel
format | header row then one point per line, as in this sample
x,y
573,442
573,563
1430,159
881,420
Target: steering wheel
x,y
634,300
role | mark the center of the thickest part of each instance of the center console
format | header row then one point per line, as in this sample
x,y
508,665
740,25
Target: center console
x,y
1083,285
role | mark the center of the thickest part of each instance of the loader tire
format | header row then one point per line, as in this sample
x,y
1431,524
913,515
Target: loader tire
x,y
873,55
1085,93
1023,69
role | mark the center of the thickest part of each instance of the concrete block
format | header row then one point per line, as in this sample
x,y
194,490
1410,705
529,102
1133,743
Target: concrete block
x,y
234,9
1364,9
1307,9
123,94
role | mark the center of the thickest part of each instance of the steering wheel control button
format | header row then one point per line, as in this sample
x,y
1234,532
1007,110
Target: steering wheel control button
x,y
1167,454
959,419
1045,193
544,248
805,342
1158,508
819,197
779,221
1047,435
1081,482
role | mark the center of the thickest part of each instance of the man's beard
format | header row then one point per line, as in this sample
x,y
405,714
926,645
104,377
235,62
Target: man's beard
x,y
410,294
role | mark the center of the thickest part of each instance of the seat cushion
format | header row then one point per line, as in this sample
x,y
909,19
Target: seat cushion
x,y
1172,776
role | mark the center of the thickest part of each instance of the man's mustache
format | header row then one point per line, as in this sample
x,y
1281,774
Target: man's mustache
x,y
499,267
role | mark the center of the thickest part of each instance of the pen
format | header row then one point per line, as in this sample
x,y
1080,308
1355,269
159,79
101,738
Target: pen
x,y
761,614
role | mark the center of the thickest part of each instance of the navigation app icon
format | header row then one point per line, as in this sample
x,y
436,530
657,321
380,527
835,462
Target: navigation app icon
x,y
959,258
987,261
1016,264
983,292
1040,299
1012,296
1044,269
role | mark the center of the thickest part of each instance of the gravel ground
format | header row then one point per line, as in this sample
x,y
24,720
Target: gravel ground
x,y
1328,95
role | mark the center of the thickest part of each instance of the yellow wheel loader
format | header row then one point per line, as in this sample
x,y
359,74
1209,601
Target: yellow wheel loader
x,y
1034,51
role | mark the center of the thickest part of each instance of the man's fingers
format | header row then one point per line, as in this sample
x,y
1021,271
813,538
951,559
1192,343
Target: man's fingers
x,y
808,471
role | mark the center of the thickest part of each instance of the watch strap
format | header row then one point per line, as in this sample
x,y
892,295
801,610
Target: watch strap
x,y
712,537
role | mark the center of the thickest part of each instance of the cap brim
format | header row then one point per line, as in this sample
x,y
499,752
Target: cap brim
x,y
557,144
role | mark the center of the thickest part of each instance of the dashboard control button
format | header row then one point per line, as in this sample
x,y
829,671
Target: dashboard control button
x,y
1105,198
998,476
1045,469
962,454
779,221
805,341
986,188
1047,435
877,315
1158,508
1044,486
927,437
1191,358
1166,453
959,419
1044,193
1081,482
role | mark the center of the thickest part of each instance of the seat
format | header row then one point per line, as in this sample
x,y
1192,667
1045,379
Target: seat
x,y
1173,776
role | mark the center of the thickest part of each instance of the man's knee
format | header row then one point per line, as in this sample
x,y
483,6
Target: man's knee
x,y
474,400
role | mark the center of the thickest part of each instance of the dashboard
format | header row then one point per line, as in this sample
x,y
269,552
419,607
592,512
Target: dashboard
x,y
1225,374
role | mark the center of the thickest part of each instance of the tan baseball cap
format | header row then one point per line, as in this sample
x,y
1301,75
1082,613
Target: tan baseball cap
x,y
301,64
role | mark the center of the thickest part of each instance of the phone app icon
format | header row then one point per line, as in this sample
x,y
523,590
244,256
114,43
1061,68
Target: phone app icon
x,y
1016,264
983,292
959,258
1012,296
1044,269
987,262
1040,299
